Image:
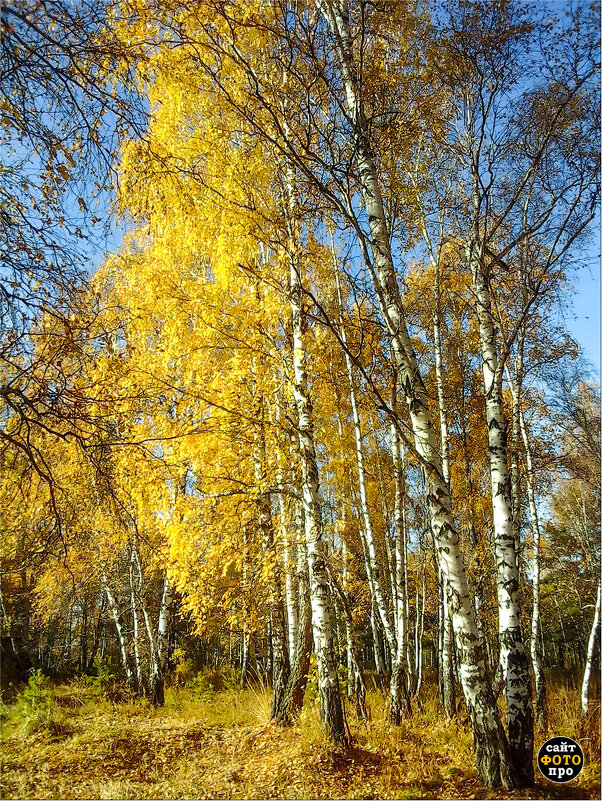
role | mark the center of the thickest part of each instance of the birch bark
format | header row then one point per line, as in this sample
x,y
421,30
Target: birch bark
x,y
359,686
287,552
328,685
376,583
400,705
120,632
513,658
135,635
593,636
159,654
447,656
447,683
297,682
491,746
536,656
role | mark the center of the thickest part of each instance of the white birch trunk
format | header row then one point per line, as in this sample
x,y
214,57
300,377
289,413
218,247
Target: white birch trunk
x,y
513,659
328,685
159,652
446,666
419,643
135,635
300,663
348,623
358,687
120,633
147,621
489,738
439,379
288,559
376,583
536,656
593,636
245,662
400,706
291,594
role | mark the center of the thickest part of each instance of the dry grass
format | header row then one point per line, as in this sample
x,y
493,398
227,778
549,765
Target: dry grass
x,y
225,747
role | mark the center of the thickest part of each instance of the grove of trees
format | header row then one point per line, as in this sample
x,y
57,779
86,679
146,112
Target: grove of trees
x,y
318,410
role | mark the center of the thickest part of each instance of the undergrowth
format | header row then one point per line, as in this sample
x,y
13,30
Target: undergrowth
x,y
214,740
34,711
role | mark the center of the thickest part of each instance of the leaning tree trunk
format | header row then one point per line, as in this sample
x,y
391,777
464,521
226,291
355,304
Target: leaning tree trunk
x,y
513,657
593,636
121,635
492,757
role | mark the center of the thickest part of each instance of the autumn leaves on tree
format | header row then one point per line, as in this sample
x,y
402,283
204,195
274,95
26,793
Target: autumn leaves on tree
x,y
305,398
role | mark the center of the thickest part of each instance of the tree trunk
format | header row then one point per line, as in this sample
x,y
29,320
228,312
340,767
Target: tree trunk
x,y
328,684
295,690
97,635
135,633
593,636
359,686
490,741
289,572
245,662
536,656
513,658
349,641
374,567
278,627
419,636
449,692
399,697
123,649
446,666
159,655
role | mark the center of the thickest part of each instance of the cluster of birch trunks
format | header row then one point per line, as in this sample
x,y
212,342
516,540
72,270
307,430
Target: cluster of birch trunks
x,y
527,226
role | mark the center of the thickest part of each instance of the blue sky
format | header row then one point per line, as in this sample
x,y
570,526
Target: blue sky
x,y
581,314
583,319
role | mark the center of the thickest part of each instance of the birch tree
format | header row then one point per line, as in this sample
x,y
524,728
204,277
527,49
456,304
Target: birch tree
x,y
591,645
330,698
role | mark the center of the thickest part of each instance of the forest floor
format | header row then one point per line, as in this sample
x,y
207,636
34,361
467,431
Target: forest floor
x,y
223,746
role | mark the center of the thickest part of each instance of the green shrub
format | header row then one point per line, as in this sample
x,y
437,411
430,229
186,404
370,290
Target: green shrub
x,y
209,681
36,698
34,709
183,672
103,676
